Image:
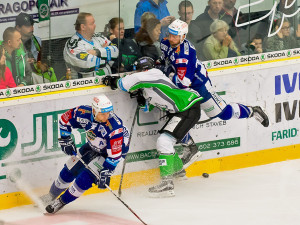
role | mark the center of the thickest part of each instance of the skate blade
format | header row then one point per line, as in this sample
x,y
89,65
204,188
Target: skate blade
x,y
193,159
165,194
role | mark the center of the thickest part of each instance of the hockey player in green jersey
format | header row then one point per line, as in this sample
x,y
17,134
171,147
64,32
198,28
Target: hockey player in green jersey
x,y
153,89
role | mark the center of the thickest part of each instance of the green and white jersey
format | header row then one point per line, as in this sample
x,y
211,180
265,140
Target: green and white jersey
x,y
159,90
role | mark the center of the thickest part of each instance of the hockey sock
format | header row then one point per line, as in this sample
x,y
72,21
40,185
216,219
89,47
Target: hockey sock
x,y
82,183
235,110
62,182
169,164
244,111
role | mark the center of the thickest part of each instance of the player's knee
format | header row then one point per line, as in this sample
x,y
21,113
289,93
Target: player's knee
x,y
165,143
85,180
226,113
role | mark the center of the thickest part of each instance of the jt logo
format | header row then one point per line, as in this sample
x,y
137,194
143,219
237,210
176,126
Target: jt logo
x,y
8,138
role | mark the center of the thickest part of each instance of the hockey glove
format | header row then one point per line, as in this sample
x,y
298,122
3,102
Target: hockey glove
x,y
104,180
67,145
139,97
111,81
166,69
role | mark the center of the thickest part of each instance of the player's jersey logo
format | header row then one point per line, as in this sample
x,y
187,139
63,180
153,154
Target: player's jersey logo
x,y
181,60
67,116
115,132
181,71
91,135
116,145
84,111
73,43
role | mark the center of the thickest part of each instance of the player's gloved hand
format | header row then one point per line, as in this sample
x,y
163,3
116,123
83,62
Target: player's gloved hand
x,y
111,81
139,97
160,67
104,180
67,145
166,69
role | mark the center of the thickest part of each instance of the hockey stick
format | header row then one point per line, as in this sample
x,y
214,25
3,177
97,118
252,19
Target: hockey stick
x,y
124,163
98,177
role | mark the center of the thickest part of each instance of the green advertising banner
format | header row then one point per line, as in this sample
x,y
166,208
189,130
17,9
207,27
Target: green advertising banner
x,y
44,10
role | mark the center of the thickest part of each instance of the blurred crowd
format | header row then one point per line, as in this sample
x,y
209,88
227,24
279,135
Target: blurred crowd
x,y
213,33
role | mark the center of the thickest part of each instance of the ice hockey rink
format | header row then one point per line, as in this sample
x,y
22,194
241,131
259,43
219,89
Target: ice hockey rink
x,y
268,194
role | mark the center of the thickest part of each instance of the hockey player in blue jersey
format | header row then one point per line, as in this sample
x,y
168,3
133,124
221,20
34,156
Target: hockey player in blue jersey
x,y
179,56
107,143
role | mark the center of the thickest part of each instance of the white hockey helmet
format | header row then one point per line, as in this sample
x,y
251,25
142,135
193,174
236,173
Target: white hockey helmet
x,y
101,104
178,27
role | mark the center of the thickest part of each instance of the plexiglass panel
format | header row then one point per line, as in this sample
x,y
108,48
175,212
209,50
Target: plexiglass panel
x,y
56,40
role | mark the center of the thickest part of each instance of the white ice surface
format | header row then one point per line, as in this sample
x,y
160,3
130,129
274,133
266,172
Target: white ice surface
x,y
263,195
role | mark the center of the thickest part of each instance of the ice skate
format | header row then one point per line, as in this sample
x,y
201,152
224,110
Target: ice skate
x,y
190,155
164,189
55,206
180,175
260,115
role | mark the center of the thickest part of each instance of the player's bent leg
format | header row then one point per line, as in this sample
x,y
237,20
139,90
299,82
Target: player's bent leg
x,y
214,106
62,182
82,183
239,111
188,119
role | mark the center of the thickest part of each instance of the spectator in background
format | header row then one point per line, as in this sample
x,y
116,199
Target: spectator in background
x,y
201,25
186,11
229,15
146,16
129,51
283,38
219,45
6,77
16,62
287,10
148,38
159,9
254,46
32,46
88,54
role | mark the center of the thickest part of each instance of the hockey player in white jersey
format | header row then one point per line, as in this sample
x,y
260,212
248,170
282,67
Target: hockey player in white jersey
x,y
153,89
107,143
88,54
